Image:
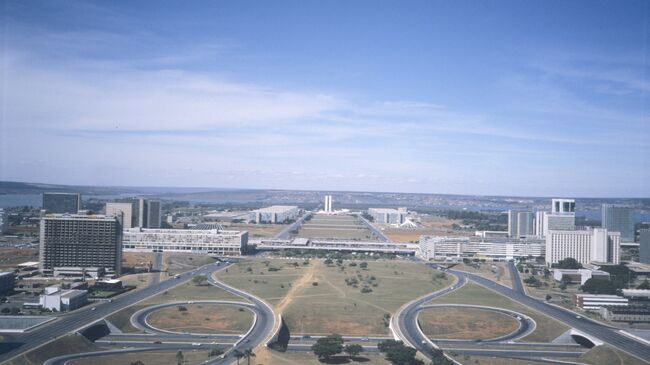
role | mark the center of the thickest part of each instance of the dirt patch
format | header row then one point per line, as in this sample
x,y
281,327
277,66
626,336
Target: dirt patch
x,y
10,257
465,323
202,318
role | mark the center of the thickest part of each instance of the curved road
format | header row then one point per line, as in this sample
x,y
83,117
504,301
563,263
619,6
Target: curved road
x,y
406,327
526,324
260,332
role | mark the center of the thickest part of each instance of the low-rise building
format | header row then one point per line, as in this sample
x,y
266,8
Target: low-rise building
x,y
108,284
500,249
636,294
388,216
274,214
595,301
212,241
637,313
7,282
578,276
56,299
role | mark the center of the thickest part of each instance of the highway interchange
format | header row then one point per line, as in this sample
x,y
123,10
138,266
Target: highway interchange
x,y
403,325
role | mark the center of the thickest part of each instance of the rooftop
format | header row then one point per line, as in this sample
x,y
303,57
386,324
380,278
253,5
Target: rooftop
x,y
276,209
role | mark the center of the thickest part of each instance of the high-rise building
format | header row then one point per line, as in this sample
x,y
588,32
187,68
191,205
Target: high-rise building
x,y
619,219
328,204
562,216
60,203
520,223
539,224
644,246
79,243
123,210
585,246
4,221
154,215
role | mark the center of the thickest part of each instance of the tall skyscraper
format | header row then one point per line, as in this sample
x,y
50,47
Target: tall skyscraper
x,y
153,218
619,219
125,210
644,246
80,242
328,204
520,223
4,221
539,223
562,216
60,203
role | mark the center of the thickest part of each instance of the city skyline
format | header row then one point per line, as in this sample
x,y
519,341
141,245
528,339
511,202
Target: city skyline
x,y
516,99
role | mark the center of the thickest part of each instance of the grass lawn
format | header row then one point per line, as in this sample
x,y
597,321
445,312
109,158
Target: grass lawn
x,y
147,357
606,355
465,323
258,277
183,292
303,358
333,306
203,318
69,344
547,328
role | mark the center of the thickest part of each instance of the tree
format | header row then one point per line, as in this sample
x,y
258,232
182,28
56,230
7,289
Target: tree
x,y
5,310
326,347
569,263
199,279
532,281
238,355
353,350
599,286
217,351
363,265
398,354
329,262
548,297
138,362
179,357
620,275
248,353
438,358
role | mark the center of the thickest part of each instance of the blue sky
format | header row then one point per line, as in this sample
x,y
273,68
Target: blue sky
x,y
533,98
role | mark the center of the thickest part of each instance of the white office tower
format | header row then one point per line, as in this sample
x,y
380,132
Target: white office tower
x,y
597,245
123,209
328,204
562,216
539,224
4,221
520,223
619,219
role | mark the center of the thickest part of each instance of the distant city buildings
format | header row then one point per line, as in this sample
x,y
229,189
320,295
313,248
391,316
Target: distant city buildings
x,y
442,248
122,210
579,276
154,214
520,223
540,229
562,216
593,245
213,241
4,221
328,204
594,302
388,216
60,203
77,242
274,214
617,218
644,246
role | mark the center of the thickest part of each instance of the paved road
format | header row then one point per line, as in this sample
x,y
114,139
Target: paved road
x,y
526,324
17,344
284,234
597,330
139,318
259,333
379,234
